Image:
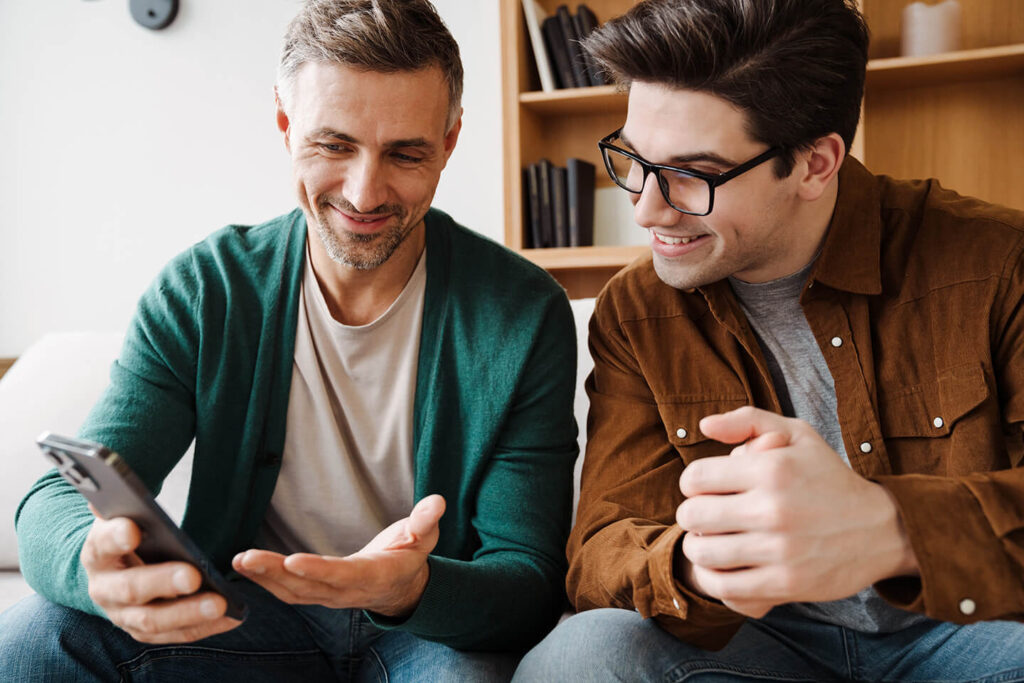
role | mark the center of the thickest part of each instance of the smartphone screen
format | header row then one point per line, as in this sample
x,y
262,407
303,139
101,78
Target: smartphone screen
x,y
114,490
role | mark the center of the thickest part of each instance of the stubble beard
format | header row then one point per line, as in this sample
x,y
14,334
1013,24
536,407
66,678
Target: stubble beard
x,y
362,252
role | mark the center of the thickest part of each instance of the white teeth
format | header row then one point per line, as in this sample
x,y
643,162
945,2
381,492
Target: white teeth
x,y
674,240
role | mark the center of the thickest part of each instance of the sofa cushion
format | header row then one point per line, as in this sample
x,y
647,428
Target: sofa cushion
x,y
581,311
52,387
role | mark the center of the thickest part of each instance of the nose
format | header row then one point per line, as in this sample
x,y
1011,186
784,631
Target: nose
x,y
366,186
650,208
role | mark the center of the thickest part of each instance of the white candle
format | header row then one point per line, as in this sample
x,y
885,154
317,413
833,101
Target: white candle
x,y
930,29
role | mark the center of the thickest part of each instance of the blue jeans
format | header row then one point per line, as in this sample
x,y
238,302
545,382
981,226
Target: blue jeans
x,y
41,641
618,645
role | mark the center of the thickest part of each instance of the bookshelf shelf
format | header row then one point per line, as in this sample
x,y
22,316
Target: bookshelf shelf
x,y
573,101
952,116
948,68
584,257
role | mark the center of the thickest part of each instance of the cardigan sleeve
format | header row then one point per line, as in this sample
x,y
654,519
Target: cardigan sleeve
x,y
146,415
509,593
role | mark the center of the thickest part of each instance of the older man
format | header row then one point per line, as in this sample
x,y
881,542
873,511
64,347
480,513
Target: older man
x,y
335,366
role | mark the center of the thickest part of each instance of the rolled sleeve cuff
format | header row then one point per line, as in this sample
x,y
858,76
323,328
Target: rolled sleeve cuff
x,y
708,624
965,574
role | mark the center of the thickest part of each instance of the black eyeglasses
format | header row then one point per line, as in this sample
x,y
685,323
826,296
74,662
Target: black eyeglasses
x,y
687,191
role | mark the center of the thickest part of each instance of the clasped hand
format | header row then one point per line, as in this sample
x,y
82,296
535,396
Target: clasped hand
x,y
783,519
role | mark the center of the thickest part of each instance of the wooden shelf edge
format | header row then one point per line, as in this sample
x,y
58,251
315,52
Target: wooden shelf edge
x,y
575,100
979,64
579,258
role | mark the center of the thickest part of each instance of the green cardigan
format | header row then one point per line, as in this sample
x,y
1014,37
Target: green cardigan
x,y
209,355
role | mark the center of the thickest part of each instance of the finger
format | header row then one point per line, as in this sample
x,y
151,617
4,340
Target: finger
x,y
143,584
753,584
256,562
728,551
169,616
744,424
108,542
764,443
717,475
286,581
189,635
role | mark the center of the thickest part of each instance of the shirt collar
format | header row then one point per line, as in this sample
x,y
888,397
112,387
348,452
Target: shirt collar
x,y
850,258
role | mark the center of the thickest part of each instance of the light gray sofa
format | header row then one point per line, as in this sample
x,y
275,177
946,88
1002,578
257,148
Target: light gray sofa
x,y
53,385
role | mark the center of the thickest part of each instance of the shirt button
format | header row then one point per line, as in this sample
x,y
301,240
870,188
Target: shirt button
x,y
938,422
837,342
865,447
967,606
681,433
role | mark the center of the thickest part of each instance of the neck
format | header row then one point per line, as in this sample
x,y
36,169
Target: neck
x,y
358,297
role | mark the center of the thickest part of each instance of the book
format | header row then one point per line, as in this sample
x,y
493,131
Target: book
x,y
572,46
580,201
535,15
534,233
559,207
586,21
559,51
544,190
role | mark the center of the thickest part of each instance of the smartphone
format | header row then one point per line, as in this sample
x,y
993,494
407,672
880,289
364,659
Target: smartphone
x,y
114,490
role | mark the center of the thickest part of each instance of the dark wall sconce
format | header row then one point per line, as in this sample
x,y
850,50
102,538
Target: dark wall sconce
x,y
154,14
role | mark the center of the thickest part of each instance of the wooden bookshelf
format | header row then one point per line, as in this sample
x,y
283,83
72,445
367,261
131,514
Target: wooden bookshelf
x,y
5,365
955,117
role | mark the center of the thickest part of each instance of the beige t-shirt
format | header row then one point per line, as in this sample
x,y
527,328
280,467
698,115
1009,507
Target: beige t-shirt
x,y
347,468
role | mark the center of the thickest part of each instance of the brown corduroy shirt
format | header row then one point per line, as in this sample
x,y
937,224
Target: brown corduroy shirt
x,y
916,303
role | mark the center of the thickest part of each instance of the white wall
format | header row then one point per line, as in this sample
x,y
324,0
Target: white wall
x,y
120,146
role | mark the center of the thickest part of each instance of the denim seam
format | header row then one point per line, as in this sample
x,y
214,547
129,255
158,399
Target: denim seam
x,y
701,666
170,652
853,667
380,663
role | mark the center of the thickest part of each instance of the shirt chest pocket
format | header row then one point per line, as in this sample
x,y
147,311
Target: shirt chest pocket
x,y
682,418
917,421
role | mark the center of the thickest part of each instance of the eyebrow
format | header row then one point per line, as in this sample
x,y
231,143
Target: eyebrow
x,y
709,157
422,143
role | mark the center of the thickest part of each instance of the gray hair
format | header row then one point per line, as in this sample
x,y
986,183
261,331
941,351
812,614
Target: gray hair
x,y
384,36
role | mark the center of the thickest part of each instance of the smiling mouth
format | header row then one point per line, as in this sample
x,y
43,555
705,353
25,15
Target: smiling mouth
x,y
666,239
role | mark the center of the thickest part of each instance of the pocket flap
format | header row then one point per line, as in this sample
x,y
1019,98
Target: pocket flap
x,y
682,417
932,408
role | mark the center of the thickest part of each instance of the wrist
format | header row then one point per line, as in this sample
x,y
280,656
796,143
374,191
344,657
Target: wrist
x,y
682,570
903,560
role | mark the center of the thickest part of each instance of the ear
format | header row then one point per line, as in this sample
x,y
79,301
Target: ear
x,y
283,124
451,137
820,165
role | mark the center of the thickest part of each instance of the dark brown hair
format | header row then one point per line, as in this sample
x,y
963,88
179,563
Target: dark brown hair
x,y
796,67
377,35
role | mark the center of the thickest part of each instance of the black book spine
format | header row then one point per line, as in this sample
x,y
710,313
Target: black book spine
x,y
572,45
554,39
586,22
532,230
580,195
559,207
544,189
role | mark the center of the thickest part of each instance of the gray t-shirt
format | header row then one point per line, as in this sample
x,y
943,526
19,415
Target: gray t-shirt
x,y
806,391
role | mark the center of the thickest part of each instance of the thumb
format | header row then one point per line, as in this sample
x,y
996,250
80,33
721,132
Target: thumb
x,y
425,515
744,424
421,525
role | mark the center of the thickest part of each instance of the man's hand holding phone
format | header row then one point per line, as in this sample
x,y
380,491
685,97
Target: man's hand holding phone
x,y
154,603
